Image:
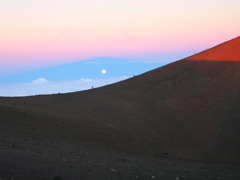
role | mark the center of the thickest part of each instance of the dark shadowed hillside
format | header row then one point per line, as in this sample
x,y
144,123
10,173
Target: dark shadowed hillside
x,y
187,111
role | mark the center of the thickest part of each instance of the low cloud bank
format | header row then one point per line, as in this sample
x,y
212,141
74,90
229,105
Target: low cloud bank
x,y
44,86
40,81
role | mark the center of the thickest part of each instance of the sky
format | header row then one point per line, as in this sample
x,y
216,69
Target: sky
x,y
44,33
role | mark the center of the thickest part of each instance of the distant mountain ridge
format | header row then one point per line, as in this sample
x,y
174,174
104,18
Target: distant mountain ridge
x,y
85,69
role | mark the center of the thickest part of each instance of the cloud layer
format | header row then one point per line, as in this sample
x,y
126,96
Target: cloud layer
x,y
44,86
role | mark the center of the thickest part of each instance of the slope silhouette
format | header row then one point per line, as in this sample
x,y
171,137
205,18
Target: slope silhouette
x,y
187,110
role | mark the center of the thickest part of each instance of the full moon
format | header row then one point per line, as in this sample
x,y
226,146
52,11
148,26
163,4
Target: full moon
x,y
104,71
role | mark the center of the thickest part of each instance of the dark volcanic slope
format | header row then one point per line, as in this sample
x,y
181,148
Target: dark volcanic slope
x,y
185,110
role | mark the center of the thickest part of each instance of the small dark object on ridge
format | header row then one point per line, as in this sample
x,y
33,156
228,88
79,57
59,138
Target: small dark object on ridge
x,y
124,160
58,177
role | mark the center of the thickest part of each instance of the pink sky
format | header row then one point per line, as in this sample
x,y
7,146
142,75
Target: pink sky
x,y
42,33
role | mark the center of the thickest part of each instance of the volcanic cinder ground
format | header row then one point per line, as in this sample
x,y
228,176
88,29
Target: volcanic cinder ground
x,y
180,121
